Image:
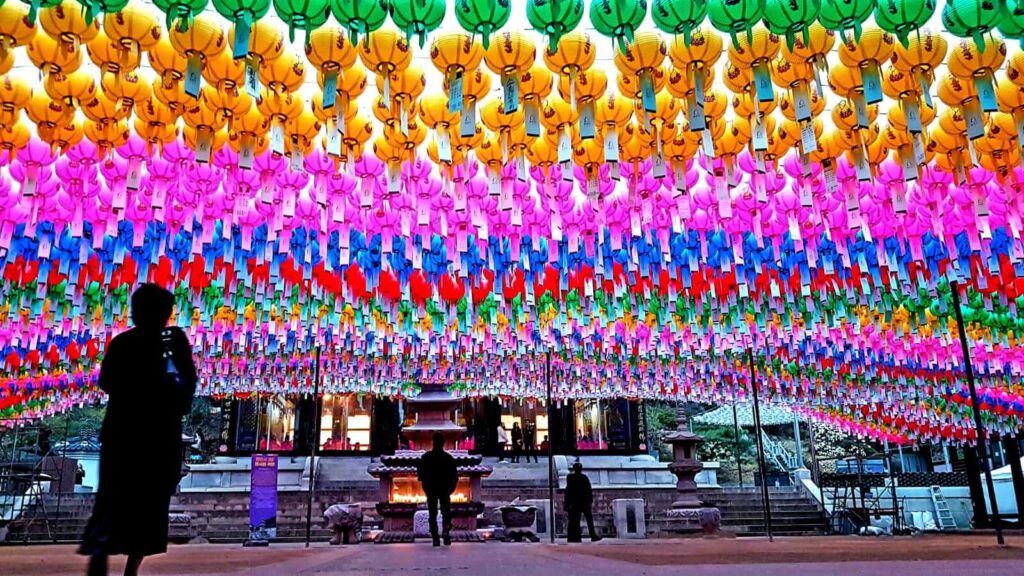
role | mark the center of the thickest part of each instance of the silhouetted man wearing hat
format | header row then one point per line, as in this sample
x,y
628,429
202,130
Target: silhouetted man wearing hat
x,y
439,476
578,499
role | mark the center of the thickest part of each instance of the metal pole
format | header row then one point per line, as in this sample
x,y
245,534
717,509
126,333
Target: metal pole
x,y
736,430
799,445
312,451
814,453
551,454
760,450
976,410
897,520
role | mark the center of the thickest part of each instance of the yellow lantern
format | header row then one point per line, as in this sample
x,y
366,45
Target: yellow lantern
x,y
106,137
104,109
534,86
969,63
203,143
173,96
559,118
155,134
66,23
813,52
133,29
62,137
247,136
755,52
406,87
201,42
590,85
641,59
50,57
126,89
108,55
227,105
43,111
13,137
14,95
265,43
330,52
454,54
166,61
866,56
223,73
155,112
15,28
385,52
575,54
510,55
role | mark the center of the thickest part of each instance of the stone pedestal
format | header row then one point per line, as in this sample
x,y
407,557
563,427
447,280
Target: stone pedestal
x,y
518,522
628,516
684,521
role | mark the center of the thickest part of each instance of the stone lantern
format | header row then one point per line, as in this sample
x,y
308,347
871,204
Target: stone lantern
x,y
688,514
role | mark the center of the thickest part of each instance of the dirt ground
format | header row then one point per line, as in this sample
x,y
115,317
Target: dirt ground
x,y
812,549
938,554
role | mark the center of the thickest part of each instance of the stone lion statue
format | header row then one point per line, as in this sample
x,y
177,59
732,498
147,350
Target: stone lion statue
x,y
345,522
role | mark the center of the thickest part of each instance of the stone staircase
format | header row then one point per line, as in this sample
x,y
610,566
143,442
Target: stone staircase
x,y
794,512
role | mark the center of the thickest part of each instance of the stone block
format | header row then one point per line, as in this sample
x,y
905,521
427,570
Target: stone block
x,y
628,516
421,524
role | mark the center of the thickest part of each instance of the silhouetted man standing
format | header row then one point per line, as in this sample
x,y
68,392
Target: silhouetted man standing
x,y
578,499
439,476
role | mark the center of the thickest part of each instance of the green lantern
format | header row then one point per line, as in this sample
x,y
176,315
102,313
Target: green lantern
x,y
305,14
618,19
417,17
734,16
482,17
787,17
243,13
1011,21
94,8
180,12
901,17
842,15
554,18
360,17
678,16
971,19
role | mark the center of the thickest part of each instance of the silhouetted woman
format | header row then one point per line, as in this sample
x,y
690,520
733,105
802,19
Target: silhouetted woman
x,y
149,377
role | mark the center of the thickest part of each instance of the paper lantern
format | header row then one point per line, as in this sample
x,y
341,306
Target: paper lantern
x,y
15,28
329,50
243,14
203,40
360,17
385,52
735,16
180,13
618,19
971,19
14,95
453,54
305,14
787,18
417,18
71,89
678,16
554,18
66,23
50,57
901,17
574,53
510,56
224,73
483,17
110,56
1011,20
843,15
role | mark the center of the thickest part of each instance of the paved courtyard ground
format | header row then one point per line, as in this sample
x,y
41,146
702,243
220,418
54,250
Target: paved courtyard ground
x,y
825,556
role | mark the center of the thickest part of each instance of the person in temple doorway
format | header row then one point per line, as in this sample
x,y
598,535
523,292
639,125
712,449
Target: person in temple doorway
x,y
517,442
439,476
530,441
578,501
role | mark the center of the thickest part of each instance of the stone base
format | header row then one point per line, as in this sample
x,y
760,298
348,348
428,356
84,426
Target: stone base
x,y
697,521
520,535
401,537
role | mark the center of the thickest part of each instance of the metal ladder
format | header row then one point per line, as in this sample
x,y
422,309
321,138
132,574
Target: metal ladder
x,y
942,512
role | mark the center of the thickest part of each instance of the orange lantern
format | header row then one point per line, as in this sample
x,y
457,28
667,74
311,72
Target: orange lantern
x,y
575,53
590,85
265,43
50,57
755,52
406,87
641,59
14,95
166,61
71,89
866,56
970,64
223,73
109,56
15,27
385,52
612,111
104,109
67,24
133,30
44,112
454,54
62,137
475,86
106,137
510,55
13,137
278,108
330,52
559,118
534,86
202,41
247,136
